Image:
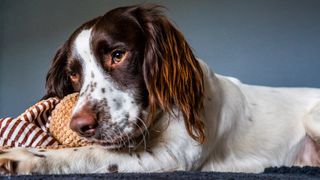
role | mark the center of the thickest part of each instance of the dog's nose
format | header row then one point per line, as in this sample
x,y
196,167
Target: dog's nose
x,y
84,122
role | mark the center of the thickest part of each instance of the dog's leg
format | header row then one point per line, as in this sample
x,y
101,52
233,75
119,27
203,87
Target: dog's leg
x,y
89,159
309,154
312,123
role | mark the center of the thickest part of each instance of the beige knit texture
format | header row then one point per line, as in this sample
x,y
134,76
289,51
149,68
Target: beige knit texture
x,y
60,120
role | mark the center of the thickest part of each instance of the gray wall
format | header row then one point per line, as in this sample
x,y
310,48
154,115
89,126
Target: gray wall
x,y
266,42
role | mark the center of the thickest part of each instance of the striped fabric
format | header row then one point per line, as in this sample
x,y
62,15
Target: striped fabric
x,y
31,128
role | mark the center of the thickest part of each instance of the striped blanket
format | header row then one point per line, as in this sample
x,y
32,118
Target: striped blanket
x,y
31,128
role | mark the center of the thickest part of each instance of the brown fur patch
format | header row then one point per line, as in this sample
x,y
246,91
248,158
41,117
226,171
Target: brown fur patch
x,y
172,73
113,168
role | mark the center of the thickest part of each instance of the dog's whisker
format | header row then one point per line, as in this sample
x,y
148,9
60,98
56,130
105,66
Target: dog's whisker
x,y
143,136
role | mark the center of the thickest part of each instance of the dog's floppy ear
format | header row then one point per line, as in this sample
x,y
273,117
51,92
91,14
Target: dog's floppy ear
x,y
172,74
57,82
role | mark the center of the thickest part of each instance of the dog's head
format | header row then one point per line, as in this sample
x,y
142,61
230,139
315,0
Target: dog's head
x,y
127,65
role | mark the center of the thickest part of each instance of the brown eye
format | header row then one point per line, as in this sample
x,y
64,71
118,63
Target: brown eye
x,y
118,56
74,76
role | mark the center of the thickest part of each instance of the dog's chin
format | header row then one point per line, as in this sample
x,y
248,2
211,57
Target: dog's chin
x,y
112,145
130,140
121,143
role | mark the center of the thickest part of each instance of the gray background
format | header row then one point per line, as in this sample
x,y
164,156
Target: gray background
x,y
265,42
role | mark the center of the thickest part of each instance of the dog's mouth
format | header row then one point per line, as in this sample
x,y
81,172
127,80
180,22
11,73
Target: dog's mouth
x,y
120,137
123,142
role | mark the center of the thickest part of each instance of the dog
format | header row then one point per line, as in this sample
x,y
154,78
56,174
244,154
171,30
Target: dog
x,y
149,105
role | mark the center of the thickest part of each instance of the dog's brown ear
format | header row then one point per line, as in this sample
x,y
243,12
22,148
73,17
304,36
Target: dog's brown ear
x,y
171,72
57,82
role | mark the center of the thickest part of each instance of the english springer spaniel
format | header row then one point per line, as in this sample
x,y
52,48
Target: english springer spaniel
x,y
150,106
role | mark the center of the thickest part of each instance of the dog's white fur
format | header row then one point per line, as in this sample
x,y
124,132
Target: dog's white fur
x,y
248,129
103,80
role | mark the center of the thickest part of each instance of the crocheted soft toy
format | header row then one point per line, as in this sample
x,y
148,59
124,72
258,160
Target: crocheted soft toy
x,y
60,120
43,125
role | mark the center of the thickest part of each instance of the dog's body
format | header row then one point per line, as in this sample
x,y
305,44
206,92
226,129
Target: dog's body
x,y
263,127
212,123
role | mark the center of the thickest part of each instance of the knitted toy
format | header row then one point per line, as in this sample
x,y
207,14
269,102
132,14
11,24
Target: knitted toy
x,y
44,125
60,120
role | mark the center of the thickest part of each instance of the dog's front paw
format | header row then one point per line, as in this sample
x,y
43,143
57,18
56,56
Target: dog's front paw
x,y
19,161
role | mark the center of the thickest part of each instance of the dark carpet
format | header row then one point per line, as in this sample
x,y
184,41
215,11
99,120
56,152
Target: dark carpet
x,y
270,173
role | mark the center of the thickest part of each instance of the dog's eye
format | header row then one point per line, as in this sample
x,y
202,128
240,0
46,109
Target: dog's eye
x,y
74,76
118,56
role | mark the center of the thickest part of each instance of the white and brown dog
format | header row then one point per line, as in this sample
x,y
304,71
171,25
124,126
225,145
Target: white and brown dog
x,y
151,106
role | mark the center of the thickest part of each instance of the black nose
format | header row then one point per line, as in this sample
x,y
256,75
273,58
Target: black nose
x,y
84,122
